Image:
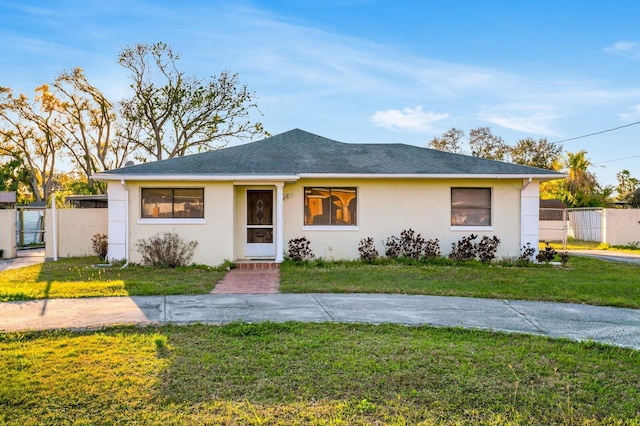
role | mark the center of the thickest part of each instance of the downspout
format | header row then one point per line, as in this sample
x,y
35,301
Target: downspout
x,y
126,223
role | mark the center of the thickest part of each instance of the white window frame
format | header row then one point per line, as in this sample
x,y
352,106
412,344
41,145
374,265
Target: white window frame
x,y
471,228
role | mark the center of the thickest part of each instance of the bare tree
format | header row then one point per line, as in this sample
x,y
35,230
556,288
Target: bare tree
x,y
449,141
31,133
88,120
485,144
183,113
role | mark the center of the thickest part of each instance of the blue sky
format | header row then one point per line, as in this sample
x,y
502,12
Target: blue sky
x,y
370,70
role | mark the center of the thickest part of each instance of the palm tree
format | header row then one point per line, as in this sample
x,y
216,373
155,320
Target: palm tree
x,y
581,186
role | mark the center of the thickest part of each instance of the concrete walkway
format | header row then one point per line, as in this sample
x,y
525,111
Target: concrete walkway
x,y
607,325
24,258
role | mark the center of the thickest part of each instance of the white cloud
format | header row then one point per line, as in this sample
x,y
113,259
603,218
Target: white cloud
x,y
537,124
628,49
631,116
411,119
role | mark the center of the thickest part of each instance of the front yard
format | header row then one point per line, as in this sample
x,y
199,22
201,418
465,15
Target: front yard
x,y
323,374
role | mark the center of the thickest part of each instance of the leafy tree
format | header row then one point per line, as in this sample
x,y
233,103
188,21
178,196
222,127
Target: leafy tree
x,y
540,153
627,185
485,144
634,201
182,113
31,133
14,177
449,141
87,118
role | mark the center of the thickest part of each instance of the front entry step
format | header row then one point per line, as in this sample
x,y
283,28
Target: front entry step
x,y
257,264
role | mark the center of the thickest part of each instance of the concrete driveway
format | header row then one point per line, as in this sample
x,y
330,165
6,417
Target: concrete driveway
x,y
607,325
608,255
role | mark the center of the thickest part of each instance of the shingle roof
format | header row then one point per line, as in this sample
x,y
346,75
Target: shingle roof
x,y
298,152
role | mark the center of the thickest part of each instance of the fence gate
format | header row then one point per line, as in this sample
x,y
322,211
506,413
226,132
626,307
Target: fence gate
x,y
29,227
585,224
554,225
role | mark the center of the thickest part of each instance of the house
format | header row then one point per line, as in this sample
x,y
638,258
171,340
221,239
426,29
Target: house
x,y
248,201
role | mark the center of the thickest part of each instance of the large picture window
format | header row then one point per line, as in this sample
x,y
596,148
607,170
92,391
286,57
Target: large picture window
x,y
471,206
330,206
172,203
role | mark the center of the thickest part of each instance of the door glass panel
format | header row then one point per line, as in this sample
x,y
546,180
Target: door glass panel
x,y
260,207
260,212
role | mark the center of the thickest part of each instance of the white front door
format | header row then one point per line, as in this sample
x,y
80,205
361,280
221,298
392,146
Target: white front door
x,y
259,241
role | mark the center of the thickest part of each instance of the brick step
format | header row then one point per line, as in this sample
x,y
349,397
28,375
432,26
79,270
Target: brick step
x,y
256,264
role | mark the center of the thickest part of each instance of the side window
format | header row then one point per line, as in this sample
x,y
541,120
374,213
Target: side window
x,y
471,206
330,206
172,203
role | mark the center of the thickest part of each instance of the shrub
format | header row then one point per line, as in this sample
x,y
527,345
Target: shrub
x,y
432,249
392,248
411,244
367,250
546,255
486,248
166,250
464,249
299,249
527,254
100,246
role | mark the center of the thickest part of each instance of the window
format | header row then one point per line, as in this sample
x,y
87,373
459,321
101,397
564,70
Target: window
x,y
330,206
470,206
172,203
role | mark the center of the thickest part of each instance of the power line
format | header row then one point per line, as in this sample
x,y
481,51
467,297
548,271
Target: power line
x,y
618,159
598,133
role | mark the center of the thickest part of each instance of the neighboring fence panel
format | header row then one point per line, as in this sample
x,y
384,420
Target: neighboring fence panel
x,y
553,225
622,226
585,224
8,233
75,228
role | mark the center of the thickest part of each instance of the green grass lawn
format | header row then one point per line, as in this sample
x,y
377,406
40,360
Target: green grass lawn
x,y
325,374
75,277
584,280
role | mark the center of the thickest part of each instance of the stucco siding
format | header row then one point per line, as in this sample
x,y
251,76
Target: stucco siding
x,y
214,233
386,207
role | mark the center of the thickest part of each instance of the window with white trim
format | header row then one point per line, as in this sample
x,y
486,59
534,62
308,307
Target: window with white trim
x,y
330,206
470,206
169,203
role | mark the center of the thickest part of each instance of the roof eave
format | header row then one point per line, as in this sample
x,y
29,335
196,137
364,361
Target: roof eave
x,y
537,176
293,178
194,177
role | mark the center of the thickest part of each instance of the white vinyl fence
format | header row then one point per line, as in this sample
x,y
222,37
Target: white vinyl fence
x,y
586,224
610,226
